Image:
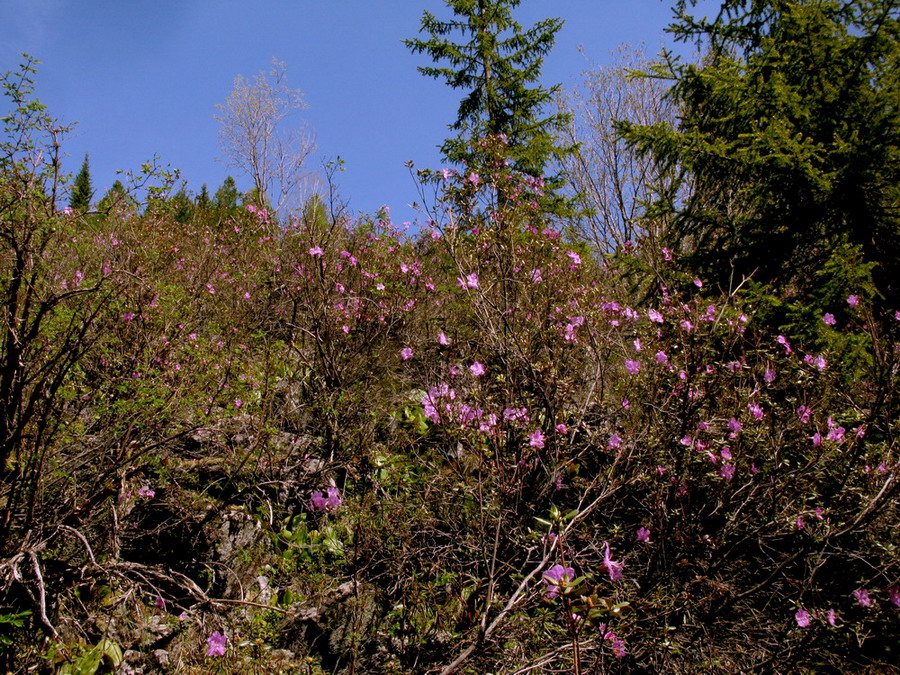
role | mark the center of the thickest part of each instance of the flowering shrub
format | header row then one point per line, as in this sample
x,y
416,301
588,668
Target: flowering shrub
x,y
492,406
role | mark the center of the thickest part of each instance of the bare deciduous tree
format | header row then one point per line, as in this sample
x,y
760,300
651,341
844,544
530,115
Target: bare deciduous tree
x,y
255,141
614,182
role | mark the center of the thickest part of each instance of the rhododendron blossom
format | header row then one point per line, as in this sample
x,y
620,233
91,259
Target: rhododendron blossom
x,y
558,578
613,567
216,644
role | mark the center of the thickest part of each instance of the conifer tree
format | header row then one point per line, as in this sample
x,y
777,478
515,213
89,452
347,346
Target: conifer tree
x,y
789,136
226,196
497,63
82,192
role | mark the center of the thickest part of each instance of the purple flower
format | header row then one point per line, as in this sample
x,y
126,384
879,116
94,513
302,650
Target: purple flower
x,y
574,257
632,366
643,535
318,502
852,300
315,252
829,319
536,440
734,426
802,618
406,353
216,644
556,578
862,597
727,471
894,595
831,617
784,342
477,369
661,357
442,339
803,412
769,377
614,568
615,441
655,316
470,281
756,411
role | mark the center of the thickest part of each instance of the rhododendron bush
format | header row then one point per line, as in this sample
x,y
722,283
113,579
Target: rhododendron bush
x,y
320,445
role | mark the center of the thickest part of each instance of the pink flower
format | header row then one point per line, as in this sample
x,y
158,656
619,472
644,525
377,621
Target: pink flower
x,y
862,597
852,300
328,503
803,412
643,535
829,319
216,644
442,339
470,281
316,252
536,440
655,316
632,366
661,357
477,369
755,411
894,595
784,342
831,617
562,429
557,578
802,618
574,257
406,353
614,568
615,441
727,471
769,377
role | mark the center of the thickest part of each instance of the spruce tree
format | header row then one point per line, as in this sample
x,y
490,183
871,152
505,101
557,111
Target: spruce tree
x,y
82,193
789,138
497,63
226,196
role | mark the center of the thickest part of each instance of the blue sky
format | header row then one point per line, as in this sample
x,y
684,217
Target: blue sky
x,y
143,77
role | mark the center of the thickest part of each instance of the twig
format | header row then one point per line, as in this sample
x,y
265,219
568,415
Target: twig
x,y
42,594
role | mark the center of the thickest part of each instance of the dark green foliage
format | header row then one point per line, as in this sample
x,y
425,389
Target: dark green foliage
x,y
790,138
82,192
496,64
116,198
226,196
203,200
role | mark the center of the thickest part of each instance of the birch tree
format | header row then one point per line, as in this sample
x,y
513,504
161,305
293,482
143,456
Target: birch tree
x,y
257,140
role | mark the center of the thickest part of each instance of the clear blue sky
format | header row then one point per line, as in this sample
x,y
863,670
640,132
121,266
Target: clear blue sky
x,y
142,77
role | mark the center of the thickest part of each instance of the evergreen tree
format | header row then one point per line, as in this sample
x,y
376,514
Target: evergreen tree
x,y
116,198
82,192
789,136
226,196
497,63
203,200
